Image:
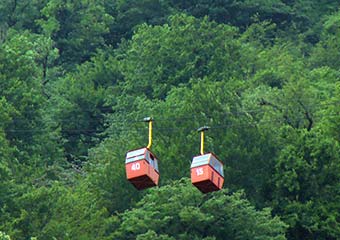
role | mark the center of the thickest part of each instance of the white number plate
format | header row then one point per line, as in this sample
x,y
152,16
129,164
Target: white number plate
x,y
135,166
199,171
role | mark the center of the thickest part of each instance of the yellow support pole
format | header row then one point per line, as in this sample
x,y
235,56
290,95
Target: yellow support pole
x,y
150,135
149,120
202,142
202,129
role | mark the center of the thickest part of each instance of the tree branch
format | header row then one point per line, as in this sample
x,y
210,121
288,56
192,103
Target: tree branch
x,y
289,121
308,115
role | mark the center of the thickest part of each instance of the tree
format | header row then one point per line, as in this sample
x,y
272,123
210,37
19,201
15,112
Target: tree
x,y
326,52
21,14
21,86
30,153
128,14
180,211
77,28
306,184
8,165
3,236
78,104
161,57
59,212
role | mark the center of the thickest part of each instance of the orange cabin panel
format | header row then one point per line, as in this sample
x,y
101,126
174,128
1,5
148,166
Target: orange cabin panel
x,y
142,169
206,179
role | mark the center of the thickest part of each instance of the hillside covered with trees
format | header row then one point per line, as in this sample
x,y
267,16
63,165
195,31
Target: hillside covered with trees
x,y
78,77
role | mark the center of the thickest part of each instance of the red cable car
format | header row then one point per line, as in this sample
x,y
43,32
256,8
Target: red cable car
x,y
206,170
207,173
141,165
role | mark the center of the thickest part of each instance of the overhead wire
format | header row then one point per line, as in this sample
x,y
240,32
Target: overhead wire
x,y
128,125
111,119
168,107
106,119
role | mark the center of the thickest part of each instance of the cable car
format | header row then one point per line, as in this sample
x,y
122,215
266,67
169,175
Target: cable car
x,y
142,168
207,173
206,170
141,165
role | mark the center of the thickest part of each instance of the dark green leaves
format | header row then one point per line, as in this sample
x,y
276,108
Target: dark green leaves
x,y
180,211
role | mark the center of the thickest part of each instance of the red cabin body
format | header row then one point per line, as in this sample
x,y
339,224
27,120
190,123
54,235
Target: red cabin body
x,y
207,173
141,167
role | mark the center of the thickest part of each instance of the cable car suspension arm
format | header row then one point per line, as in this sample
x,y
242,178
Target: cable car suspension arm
x,y
202,129
149,120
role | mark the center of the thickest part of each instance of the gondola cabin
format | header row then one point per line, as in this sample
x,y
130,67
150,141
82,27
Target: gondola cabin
x,y
207,173
142,168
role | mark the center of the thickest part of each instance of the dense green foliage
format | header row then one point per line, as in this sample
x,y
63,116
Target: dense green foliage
x,y
77,78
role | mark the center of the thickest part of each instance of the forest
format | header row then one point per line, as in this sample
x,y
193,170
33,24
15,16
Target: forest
x,y
78,77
